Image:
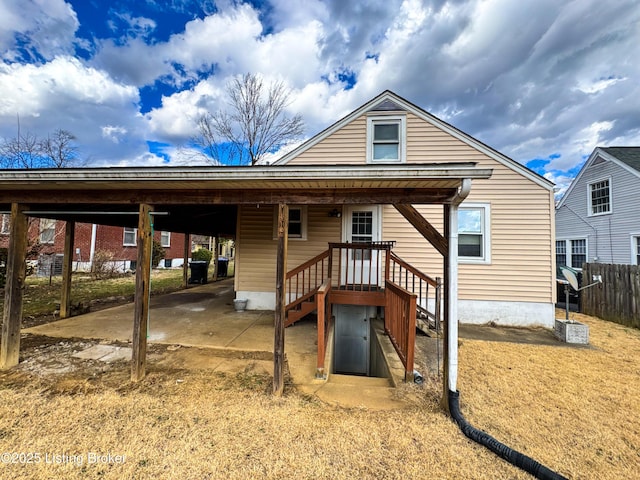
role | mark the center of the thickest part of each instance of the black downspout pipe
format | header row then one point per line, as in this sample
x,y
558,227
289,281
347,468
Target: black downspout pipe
x,y
514,457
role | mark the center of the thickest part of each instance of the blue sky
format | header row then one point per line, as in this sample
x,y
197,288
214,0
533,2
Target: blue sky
x,y
542,81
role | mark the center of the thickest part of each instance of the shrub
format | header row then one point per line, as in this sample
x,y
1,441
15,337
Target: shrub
x,y
202,254
157,254
103,265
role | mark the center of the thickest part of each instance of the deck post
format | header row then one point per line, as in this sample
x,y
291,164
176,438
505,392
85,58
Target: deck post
x,y
185,261
67,269
12,316
143,284
281,273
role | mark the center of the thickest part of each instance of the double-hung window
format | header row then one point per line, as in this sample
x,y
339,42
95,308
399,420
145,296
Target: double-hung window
x,y
47,230
129,237
635,249
571,253
474,233
165,239
6,224
386,139
600,197
297,223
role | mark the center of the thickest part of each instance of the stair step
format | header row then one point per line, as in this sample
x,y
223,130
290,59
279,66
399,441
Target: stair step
x,y
360,381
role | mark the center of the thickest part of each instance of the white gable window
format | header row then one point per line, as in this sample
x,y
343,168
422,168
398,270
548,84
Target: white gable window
x,y
297,223
165,239
386,139
600,197
561,253
474,233
47,230
129,237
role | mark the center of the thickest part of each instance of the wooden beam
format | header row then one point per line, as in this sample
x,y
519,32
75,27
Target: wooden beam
x,y
421,224
143,284
299,196
281,273
12,316
185,262
67,268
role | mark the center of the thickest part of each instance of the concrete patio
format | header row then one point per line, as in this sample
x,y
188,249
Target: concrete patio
x,y
203,317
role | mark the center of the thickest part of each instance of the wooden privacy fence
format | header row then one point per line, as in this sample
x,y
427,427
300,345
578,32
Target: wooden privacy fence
x,y
617,298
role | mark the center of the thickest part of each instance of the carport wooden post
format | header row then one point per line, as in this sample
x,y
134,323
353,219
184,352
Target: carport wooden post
x,y
185,263
67,267
143,284
281,272
12,317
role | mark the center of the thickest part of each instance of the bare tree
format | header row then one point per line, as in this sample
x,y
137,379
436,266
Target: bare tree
x,y
59,149
254,125
26,150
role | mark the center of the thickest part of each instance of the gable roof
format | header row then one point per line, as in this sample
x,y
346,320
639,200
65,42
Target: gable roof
x,y
388,100
626,157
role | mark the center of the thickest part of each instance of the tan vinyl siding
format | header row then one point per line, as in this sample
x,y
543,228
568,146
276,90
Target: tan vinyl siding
x,y
521,240
346,146
258,247
521,267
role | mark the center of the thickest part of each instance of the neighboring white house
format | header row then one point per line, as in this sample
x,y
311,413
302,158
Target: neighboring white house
x,y
598,218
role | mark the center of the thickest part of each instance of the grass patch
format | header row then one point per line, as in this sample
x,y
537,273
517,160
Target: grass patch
x,y
42,296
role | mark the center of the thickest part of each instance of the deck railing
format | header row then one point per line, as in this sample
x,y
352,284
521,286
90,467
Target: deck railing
x,y
303,281
400,324
324,323
426,288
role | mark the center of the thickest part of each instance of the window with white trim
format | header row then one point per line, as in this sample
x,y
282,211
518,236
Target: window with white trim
x,y
600,197
6,224
474,235
571,253
129,237
578,252
297,223
165,239
47,230
561,253
386,139
635,253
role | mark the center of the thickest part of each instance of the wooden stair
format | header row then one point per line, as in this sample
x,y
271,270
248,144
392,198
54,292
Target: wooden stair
x,y
301,310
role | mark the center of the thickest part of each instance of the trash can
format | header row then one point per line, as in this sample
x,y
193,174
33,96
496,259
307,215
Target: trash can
x,y
199,272
223,265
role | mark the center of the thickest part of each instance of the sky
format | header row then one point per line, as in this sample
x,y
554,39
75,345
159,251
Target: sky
x,y
541,81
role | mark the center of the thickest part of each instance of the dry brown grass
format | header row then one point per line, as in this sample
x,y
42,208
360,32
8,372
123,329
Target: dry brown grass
x,y
574,409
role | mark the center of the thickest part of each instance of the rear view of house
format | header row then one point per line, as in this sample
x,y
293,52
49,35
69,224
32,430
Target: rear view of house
x,y
505,225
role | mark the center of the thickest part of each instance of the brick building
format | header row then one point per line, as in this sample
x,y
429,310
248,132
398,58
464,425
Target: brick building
x,y
92,241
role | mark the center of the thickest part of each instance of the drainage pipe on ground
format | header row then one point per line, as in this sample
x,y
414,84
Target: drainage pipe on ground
x,y
514,457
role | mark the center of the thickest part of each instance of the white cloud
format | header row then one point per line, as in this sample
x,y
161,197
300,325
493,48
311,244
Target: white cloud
x,y
46,28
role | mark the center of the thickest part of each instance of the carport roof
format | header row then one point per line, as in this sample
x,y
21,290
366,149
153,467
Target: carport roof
x,y
185,194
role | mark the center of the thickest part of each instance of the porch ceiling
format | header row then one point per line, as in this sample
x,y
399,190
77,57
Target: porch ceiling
x,y
204,200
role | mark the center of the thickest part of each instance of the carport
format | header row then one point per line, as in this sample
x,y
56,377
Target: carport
x,y
204,200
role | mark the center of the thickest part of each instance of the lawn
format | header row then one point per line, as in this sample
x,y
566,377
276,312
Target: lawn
x,y
575,410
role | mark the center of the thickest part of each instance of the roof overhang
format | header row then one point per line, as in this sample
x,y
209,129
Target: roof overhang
x,y
110,195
